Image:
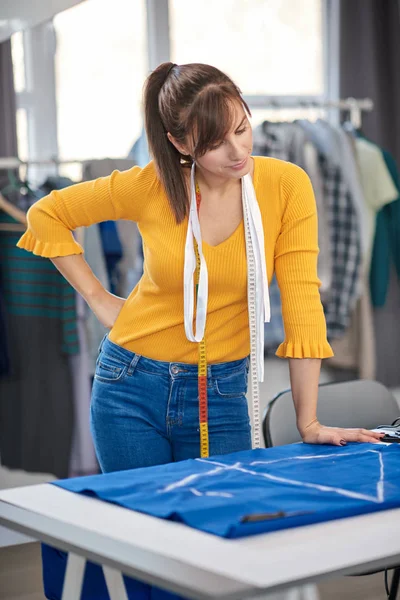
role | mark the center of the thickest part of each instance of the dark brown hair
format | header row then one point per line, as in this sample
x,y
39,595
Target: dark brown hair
x,y
186,100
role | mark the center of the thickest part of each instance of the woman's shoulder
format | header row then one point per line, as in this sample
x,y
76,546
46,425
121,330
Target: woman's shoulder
x,y
146,173
141,180
278,182
275,169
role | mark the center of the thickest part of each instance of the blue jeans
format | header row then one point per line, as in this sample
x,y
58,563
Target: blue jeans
x,y
146,412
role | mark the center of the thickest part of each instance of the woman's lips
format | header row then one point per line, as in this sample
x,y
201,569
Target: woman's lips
x,y
240,165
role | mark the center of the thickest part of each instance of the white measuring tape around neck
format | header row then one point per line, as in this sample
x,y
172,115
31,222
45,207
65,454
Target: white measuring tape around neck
x,y
258,294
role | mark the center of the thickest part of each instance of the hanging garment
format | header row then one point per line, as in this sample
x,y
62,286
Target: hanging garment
x,y
386,249
4,351
130,266
121,240
112,250
95,258
378,186
289,142
356,348
83,458
338,145
345,238
36,407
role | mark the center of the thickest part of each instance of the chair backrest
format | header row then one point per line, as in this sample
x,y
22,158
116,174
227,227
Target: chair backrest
x,y
359,403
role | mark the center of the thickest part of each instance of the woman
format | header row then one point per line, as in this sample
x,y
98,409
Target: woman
x,y
145,403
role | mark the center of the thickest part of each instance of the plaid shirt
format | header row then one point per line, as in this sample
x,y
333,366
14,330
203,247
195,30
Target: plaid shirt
x,y
345,247
343,229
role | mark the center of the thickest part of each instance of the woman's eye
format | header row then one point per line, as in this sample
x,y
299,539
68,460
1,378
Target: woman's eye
x,y
240,131
216,146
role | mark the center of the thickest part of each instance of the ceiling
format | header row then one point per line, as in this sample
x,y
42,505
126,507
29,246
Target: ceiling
x,y
16,15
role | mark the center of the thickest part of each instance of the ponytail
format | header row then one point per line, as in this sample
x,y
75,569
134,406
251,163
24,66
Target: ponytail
x,y
188,101
166,157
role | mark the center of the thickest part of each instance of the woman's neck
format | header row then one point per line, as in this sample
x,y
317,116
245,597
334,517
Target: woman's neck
x,y
215,184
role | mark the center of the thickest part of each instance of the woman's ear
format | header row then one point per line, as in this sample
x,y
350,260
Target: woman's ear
x,y
180,147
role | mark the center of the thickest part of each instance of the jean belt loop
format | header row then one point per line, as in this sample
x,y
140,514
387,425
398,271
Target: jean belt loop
x,y
133,363
102,342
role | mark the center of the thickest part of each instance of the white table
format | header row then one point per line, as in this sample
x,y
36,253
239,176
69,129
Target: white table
x,y
189,562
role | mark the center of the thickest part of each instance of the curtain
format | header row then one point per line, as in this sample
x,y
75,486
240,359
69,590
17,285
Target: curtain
x,y
370,67
8,127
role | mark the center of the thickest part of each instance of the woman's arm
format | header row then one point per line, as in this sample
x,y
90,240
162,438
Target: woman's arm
x,y
305,344
77,272
304,378
52,219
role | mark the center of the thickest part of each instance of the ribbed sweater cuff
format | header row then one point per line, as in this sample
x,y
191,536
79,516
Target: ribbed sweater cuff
x,y
48,249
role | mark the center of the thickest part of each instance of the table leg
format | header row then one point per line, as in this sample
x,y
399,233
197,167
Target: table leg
x,y
115,584
73,579
394,586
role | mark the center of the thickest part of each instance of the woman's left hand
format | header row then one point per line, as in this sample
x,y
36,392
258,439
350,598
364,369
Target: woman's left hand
x,y
316,433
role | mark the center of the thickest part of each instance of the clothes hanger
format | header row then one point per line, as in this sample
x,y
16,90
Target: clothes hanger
x,y
14,212
16,184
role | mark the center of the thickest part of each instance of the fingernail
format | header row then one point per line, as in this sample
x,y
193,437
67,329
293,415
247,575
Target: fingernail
x,y
343,442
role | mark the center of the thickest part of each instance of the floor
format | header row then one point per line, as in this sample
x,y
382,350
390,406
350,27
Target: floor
x,y
20,565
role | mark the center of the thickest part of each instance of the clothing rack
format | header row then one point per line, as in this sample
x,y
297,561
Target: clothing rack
x,y
12,162
354,106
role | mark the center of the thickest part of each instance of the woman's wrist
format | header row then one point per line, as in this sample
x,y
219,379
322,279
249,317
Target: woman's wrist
x,y
304,428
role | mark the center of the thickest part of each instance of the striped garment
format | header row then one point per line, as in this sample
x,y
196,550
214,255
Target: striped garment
x,y
33,287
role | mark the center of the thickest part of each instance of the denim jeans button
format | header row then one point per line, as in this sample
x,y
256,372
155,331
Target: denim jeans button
x,y
175,369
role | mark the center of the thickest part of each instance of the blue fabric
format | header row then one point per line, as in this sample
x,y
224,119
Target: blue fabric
x,y
145,412
308,483
113,251
387,241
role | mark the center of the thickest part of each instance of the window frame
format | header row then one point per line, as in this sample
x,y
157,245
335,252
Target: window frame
x,y
39,98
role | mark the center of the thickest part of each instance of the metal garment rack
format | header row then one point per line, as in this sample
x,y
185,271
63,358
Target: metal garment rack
x,y
13,162
354,106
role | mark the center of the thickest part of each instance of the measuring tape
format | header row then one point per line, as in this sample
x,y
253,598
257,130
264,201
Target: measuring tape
x,y
202,373
202,370
251,299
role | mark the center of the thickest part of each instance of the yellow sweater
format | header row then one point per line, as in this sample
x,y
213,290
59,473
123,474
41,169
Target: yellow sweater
x,y
151,320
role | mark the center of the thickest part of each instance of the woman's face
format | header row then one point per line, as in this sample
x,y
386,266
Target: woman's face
x,y
231,158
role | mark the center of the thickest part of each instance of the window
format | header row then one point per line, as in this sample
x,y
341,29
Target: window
x,y
18,58
101,64
269,47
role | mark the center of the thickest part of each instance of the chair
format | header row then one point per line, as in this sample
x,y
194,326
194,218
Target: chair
x,y
360,403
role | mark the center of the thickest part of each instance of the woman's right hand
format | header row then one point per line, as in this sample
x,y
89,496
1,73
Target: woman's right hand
x,y
106,307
